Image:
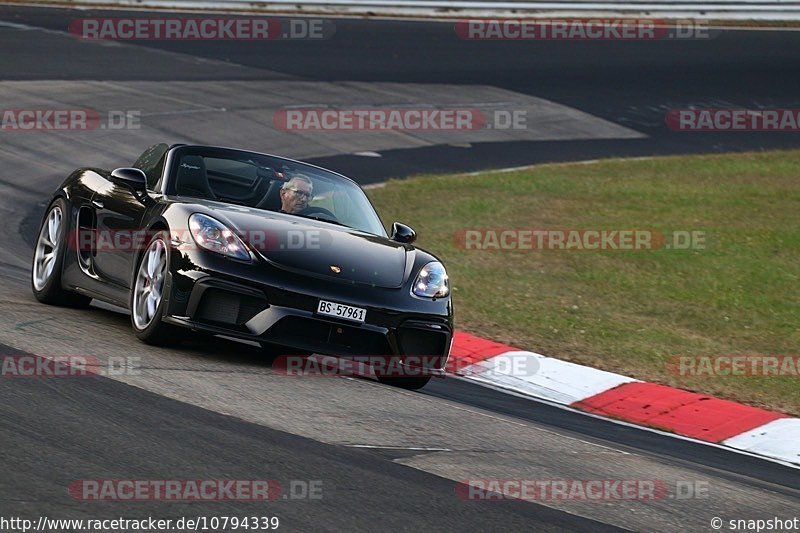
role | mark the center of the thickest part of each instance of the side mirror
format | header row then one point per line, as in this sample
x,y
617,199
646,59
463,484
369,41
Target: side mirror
x,y
130,177
402,233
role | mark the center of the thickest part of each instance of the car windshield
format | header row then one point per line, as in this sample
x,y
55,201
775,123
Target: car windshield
x,y
273,184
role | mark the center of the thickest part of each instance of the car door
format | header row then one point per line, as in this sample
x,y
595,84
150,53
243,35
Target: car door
x,y
119,215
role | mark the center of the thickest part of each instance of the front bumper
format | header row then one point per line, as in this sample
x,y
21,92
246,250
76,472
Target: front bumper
x,y
261,302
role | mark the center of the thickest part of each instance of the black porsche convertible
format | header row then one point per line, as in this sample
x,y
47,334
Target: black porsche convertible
x,y
248,245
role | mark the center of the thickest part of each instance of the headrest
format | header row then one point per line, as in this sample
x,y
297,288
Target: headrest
x,y
192,178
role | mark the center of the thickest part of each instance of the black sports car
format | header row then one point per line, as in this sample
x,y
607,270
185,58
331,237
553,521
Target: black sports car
x,y
247,245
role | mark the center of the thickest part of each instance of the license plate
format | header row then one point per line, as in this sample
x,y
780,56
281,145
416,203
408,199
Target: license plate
x,y
347,312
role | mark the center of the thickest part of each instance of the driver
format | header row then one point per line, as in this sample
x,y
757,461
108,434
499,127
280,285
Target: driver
x,y
295,194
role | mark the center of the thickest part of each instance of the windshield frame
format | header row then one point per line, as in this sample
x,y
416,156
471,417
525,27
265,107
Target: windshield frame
x,y
177,152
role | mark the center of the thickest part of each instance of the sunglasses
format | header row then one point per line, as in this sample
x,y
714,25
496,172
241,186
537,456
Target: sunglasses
x,y
305,194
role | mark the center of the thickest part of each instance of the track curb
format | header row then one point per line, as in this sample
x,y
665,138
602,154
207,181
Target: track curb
x,y
699,416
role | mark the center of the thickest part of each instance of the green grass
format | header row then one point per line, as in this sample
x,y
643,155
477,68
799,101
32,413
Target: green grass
x,y
628,311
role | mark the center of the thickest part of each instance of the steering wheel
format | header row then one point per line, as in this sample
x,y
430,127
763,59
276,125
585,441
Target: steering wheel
x,y
320,213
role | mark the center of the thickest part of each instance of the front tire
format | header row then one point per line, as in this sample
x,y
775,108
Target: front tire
x,y
48,259
147,298
405,383
271,352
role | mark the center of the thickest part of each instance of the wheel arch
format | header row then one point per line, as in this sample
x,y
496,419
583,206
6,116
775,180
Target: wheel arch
x,y
154,226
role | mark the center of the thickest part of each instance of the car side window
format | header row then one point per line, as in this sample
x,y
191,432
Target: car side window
x,y
151,162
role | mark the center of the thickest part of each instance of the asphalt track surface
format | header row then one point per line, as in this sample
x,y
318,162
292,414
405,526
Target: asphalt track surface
x,y
387,459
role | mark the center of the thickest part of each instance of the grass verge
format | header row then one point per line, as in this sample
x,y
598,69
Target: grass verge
x,y
630,312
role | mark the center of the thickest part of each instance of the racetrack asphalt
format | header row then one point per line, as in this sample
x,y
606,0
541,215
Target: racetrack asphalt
x,y
630,83
386,458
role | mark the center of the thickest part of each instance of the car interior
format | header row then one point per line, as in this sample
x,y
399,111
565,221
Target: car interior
x,y
252,184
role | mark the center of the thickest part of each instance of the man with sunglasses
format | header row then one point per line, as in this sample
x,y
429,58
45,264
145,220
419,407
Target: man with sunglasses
x,y
295,194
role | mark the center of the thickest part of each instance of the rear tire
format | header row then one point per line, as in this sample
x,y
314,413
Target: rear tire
x,y
48,259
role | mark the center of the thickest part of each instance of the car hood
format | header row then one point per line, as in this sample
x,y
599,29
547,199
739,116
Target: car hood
x,y
316,248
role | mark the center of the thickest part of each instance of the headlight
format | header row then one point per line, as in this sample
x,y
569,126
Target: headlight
x,y
432,281
212,234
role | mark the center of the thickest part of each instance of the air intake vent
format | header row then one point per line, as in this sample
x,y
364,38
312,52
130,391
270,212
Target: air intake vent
x,y
227,307
418,338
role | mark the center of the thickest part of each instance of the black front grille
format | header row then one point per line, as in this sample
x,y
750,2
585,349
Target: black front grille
x,y
324,337
226,307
